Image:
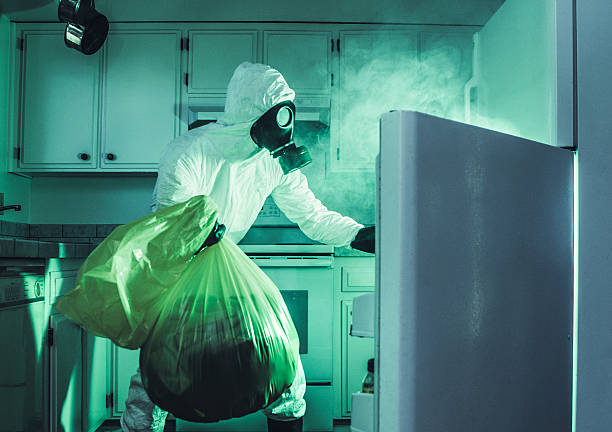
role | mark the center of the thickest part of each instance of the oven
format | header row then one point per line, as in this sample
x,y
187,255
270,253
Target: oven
x,y
304,276
23,376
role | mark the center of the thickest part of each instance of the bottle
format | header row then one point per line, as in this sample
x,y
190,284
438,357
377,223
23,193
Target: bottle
x,y
368,381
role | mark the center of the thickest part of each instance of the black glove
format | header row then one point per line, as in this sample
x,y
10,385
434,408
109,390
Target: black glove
x,y
364,240
215,235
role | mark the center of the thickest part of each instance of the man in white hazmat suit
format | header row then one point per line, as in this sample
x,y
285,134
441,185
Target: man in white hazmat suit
x,y
237,162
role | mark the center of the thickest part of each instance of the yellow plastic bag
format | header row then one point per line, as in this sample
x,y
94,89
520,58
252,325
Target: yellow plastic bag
x,y
224,344
120,284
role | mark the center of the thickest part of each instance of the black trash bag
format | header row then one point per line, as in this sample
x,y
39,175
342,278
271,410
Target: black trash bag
x,y
224,345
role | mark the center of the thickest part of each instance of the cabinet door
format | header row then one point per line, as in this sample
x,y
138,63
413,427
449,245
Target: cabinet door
x,y
355,354
452,52
125,365
374,70
381,71
66,375
213,56
60,282
141,97
302,57
59,102
95,355
359,277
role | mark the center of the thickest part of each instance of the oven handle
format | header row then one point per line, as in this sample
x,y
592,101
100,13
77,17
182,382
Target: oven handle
x,y
292,261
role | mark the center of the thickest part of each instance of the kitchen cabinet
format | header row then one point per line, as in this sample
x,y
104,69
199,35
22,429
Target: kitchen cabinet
x,y
382,70
213,56
66,375
141,97
77,361
111,111
125,364
355,354
353,276
95,381
303,57
59,105
77,377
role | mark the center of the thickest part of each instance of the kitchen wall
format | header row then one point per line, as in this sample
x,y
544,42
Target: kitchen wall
x,y
90,200
16,189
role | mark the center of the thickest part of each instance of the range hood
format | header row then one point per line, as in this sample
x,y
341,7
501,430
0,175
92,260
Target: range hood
x,y
202,110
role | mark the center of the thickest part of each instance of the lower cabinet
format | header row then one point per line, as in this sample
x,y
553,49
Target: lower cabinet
x,y
354,276
77,363
66,377
355,354
125,363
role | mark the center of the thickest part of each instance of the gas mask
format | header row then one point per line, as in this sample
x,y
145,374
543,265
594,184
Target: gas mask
x,y
274,132
86,29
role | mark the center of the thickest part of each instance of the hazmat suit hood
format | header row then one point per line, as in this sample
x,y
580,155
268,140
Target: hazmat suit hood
x,y
253,89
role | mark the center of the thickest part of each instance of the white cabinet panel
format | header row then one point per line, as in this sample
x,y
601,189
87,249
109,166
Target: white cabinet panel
x,y
355,354
95,351
66,375
379,71
353,276
141,97
125,365
373,65
59,103
213,56
302,57
61,282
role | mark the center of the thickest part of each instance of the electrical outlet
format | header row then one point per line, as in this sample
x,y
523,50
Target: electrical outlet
x,y
1,202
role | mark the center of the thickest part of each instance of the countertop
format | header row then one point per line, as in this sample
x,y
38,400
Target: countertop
x,y
18,240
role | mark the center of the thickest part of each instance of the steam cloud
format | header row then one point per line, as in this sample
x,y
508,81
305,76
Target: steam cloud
x,y
431,81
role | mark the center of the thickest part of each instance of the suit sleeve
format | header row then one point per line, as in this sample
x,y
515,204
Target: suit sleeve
x,y
296,200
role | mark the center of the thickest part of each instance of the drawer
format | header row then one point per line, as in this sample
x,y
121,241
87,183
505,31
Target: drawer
x,y
358,279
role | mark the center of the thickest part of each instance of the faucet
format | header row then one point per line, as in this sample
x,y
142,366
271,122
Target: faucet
x,y
16,207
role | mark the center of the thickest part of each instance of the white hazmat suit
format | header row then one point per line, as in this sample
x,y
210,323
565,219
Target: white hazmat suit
x,y
222,161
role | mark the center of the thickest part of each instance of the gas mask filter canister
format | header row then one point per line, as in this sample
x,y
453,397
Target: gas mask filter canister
x,y
274,132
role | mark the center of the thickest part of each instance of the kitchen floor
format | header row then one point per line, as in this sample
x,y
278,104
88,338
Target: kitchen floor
x,y
113,426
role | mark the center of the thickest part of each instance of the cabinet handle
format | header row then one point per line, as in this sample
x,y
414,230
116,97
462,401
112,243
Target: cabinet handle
x,y
110,156
83,156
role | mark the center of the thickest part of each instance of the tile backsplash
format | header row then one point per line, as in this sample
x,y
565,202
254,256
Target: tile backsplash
x,y
63,233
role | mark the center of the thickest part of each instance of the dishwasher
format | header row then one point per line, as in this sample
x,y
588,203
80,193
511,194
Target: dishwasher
x,y
23,389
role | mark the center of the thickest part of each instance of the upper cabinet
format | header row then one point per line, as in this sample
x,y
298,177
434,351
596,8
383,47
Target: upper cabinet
x,y
116,110
422,69
213,56
140,97
372,70
111,111
303,57
59,103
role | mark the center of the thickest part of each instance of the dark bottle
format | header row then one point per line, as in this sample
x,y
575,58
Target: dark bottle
x,y
368,381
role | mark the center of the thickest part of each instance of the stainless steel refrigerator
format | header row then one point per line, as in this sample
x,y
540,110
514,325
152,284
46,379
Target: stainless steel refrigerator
x,y
474,299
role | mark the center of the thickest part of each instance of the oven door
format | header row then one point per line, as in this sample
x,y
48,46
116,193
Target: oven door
x,y
306,284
